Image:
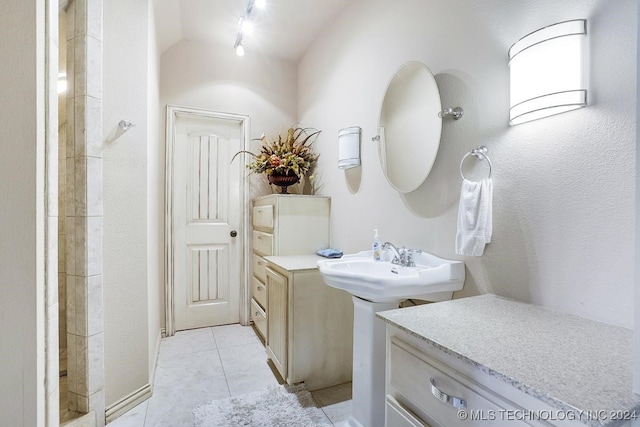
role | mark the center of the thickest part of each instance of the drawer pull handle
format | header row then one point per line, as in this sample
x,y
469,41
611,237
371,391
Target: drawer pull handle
x,y
456,402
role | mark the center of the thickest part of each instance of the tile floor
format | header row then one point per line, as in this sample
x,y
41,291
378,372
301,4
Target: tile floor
x,y
201,365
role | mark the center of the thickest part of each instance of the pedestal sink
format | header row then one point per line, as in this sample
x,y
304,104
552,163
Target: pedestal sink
x,y
377,286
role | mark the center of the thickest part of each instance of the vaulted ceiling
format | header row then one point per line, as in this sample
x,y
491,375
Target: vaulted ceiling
x,y
283,29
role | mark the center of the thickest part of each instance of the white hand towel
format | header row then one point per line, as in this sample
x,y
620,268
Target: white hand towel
x,y
474,217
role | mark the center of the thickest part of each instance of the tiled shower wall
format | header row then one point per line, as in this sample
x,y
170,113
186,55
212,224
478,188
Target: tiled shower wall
x,y
62,271
52,385
62,167
83,209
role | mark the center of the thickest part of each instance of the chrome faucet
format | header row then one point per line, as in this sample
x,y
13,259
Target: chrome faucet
x,y
403,256
397,256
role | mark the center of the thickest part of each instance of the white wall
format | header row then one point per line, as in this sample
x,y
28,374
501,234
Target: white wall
x,y
155,196
126,309
636,371
564,186
194,75
22,214
212,77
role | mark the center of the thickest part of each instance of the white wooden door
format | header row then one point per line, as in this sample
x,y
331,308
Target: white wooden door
x,y
207,215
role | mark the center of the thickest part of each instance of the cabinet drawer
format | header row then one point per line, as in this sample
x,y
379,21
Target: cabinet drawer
x,y
397,416
263,242
411,374
259,318
259,292
263,216
259,268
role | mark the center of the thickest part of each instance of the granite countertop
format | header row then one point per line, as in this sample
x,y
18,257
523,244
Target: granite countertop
x,y
295,262
570,363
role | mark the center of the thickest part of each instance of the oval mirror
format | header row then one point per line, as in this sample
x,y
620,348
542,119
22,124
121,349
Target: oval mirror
x,y
410,126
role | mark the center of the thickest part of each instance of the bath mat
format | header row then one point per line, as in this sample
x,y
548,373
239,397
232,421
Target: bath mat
x,y
277,406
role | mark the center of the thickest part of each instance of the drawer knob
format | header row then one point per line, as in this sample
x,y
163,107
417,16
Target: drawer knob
x,y
233,233
456,402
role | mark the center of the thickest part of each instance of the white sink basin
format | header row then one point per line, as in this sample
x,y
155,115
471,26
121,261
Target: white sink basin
x,y
382,281
377,286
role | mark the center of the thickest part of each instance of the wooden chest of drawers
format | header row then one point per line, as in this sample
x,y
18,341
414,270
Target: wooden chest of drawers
x,y
284,225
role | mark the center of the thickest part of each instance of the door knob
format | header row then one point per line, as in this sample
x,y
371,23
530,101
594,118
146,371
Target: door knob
x,y
233,233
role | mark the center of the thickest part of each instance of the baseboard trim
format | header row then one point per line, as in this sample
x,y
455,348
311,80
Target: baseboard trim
x,y
143,393
128,402
156,352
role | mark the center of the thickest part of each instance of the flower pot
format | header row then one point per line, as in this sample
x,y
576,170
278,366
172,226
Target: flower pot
x,y
283,181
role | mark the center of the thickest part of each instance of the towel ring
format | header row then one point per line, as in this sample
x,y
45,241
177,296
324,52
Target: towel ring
x,y
481,154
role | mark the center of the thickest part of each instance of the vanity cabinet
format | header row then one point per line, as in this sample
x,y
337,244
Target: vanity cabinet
x,y
309,324
283,224
278,304
425,392
491,361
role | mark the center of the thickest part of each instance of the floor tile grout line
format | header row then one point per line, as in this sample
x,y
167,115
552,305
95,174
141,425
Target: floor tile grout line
x,y
226,380
146,409
224,372
189,353
321,408
213,335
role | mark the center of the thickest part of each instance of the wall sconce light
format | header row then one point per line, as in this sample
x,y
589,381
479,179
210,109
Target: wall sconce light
x,y
349,147
547,72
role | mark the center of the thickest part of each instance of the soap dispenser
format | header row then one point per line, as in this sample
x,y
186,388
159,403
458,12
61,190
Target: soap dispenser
x,y
376,250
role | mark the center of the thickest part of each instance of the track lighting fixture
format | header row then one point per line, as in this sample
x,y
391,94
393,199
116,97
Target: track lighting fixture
x,y
245,25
